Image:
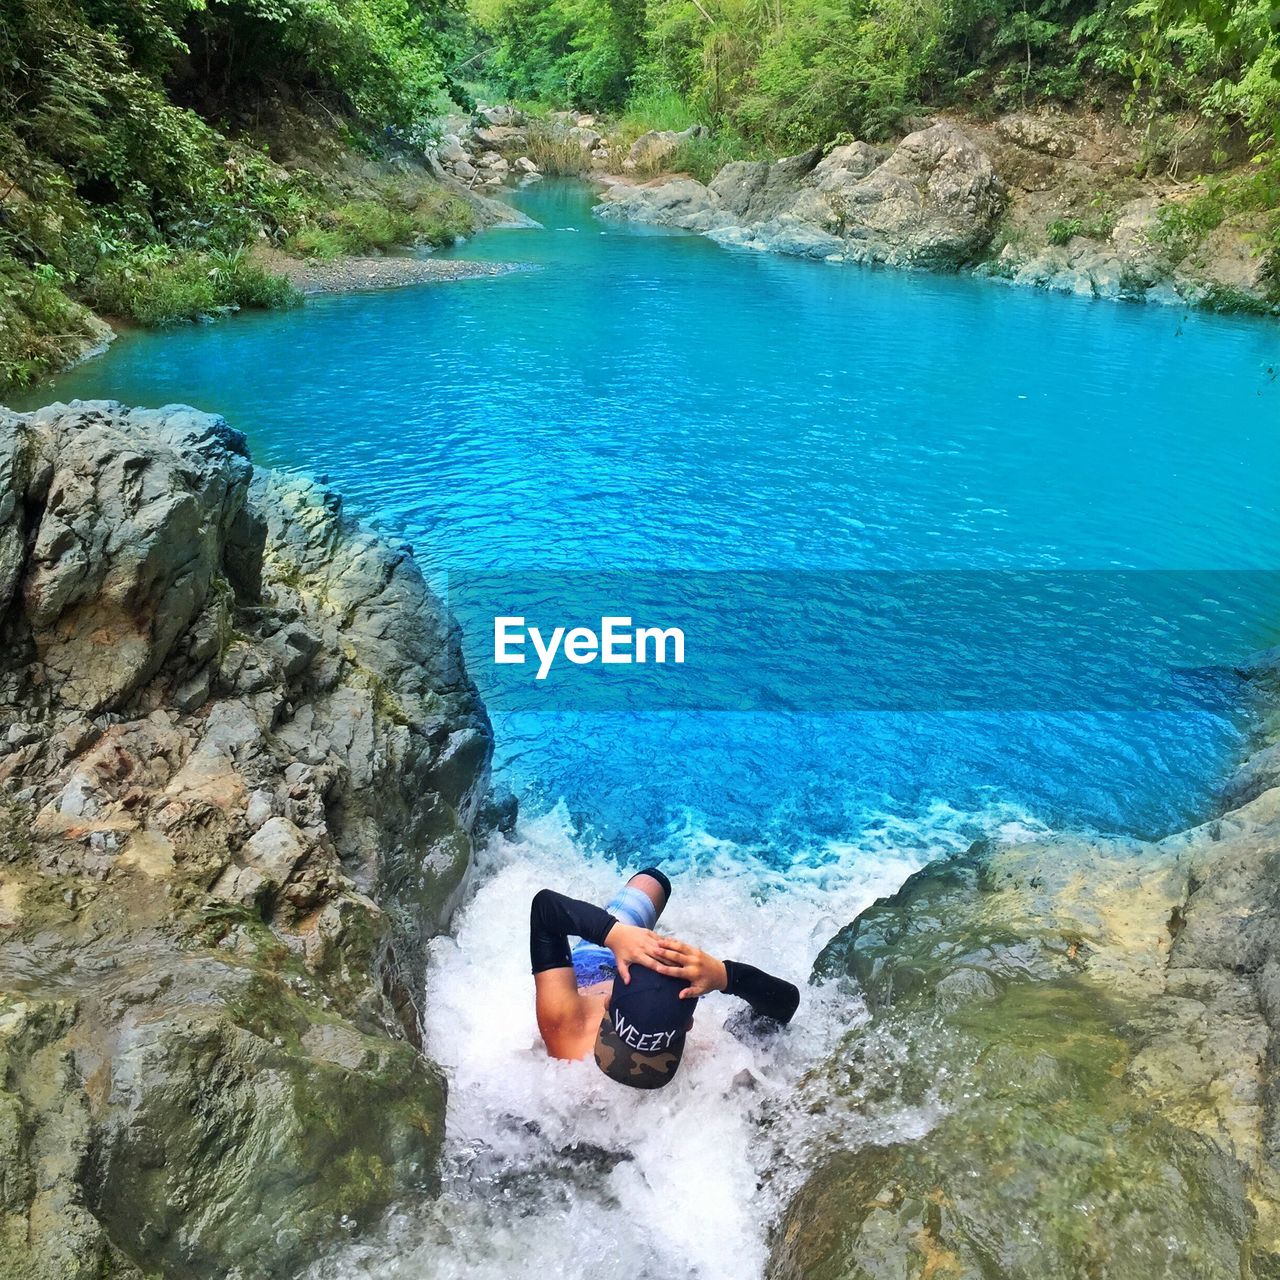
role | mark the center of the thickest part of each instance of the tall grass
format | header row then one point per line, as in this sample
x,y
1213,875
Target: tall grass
x,y
156,287
555,154
665,109
435,217
657,109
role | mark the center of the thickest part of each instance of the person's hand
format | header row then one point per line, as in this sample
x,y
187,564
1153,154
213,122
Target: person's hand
x,y
632,945
702,972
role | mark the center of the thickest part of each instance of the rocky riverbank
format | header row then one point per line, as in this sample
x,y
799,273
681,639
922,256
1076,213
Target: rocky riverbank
x,y
932,201
1097,1022
241,765
1077,203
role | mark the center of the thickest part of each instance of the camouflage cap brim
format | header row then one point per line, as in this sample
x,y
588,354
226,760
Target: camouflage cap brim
x,y
620,1062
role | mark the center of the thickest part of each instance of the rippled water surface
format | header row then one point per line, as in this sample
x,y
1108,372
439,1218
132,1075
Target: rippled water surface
x,y
649,401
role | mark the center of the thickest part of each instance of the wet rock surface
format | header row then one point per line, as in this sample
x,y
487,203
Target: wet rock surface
x,y
1094,1023
240,767
932,201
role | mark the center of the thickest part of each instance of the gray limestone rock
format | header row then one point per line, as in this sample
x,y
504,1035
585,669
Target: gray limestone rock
x,y
240,765
1092,1021
932,202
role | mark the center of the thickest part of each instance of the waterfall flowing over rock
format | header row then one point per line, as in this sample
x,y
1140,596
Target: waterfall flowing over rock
x,y
241,764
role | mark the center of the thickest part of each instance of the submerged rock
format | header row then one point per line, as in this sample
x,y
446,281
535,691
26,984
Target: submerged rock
x,y
1092,1020
240,765
932,202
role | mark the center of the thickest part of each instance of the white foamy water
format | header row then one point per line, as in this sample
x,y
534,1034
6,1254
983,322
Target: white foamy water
x,y
553,1170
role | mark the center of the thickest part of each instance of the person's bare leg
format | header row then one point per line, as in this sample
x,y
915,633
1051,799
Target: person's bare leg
x,y
651,888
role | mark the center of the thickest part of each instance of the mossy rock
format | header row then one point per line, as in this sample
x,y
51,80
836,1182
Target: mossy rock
x,y
263,1132
1010,991
929,940
1043,1165
46,1231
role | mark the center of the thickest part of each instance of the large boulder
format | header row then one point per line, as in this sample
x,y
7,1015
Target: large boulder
x,y
501,138
679,202
586,138
450,150
500,117
1090,1023
127,544
650,151
760,190
240,766
932,202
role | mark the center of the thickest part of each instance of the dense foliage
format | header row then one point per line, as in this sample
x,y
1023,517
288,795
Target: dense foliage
x,y
792,72
127,180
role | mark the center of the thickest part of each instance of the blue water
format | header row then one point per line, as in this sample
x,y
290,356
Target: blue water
x,y
641,400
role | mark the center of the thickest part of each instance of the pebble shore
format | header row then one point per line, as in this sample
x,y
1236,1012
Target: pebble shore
x,y
344,275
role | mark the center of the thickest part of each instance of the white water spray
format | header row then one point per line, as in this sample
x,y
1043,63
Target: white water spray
x,y
552,1169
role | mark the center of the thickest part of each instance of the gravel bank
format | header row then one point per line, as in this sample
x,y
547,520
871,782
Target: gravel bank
x,y
345,275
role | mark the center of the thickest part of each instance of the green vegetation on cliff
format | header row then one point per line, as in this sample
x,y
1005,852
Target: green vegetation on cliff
x,y
133,174
791,73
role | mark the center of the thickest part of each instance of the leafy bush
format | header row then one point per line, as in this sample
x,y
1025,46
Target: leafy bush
x,y
157,286
386,60
129,198
581,52
366,226
1181,226
1096,226
40,327
825,71
1060,230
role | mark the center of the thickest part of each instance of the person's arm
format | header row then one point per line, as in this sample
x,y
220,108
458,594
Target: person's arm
x,y
769,997
553,919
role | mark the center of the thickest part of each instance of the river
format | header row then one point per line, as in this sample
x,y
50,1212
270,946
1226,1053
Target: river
x,y
1078,497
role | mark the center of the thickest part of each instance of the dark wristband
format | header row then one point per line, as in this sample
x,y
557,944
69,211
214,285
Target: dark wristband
x,y
553,919
769,997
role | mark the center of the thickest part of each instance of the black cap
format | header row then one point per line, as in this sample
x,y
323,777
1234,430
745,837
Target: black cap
x,y
641,1037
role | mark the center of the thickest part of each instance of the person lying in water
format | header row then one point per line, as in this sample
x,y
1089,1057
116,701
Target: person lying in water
x,y
624,991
